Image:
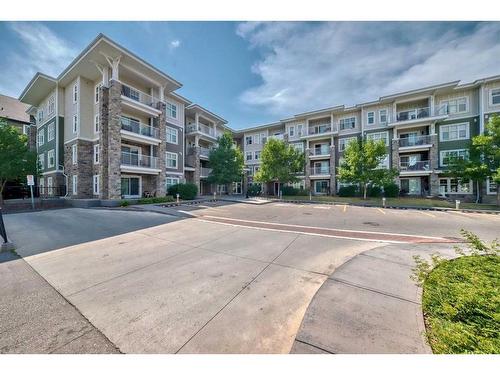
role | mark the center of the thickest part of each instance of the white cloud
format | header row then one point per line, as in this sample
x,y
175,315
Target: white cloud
x,y
306,66
174,44
37,49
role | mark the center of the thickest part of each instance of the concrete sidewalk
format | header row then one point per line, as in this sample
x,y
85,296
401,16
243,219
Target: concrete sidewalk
x,y
369,305
35,318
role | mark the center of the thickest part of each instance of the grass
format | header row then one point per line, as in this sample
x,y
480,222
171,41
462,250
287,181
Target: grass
x,y
461,305
398,202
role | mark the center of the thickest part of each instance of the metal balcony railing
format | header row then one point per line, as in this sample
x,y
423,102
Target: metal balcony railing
x,y
205,129
204,151
415,141
136,160
205,172
318,151
139,96
139,128
422,165
413,114
319,129
320,170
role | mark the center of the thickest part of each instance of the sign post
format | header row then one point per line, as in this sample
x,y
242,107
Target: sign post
x,y
31,181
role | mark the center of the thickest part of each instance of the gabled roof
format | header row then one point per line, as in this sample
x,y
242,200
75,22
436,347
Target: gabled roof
x,y
205,112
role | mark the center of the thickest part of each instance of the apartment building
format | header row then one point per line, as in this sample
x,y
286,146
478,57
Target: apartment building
x,y
19,115
422,129
110,126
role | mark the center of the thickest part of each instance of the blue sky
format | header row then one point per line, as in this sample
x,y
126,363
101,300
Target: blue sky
x,y
256,72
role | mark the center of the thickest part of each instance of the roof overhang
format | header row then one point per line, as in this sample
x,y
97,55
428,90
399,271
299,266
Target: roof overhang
x,y
430,90
196,108
319,112
37,89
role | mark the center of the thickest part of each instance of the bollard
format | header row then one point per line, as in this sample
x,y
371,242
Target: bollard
x,y
177,195
457,204
383,201
310,196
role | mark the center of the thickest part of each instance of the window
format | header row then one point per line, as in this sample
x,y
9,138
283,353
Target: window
x,y
41,137
495,96
96,93
41,161
26,129
96,124
95,184
347,123
445,156
41,184
454,186
51,132
75,185
382,116
263,138
343,142
52,105
257,155
299,146
74,154
75,123
256,139
299,129
96,154
171,110
491,186
49,185
171,181
457,105
171,160
171,135
370,118
379,136
291,131
40,116
248,156
51,160
248,140
75,93
454,132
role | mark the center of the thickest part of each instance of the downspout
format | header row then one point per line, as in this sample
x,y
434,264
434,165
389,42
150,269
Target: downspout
x,y
66,177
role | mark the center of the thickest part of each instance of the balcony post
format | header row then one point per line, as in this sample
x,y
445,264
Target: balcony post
x,y
307,179
162,151
433,164
112,142
395,157
333,189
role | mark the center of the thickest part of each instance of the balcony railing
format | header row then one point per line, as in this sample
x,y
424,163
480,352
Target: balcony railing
x,y
205,129
320,170
136,160
205,172
413,114
319,129
204,151
318,151
423,165
415,141
139,96
139,128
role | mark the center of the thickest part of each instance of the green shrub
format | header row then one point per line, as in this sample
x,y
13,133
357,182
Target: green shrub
x,y
391,190
289,190
348,191
254,190
187,191
124,203
155,200
374,191
173,190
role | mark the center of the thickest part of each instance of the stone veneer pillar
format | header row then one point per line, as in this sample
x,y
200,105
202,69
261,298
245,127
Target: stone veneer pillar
x,y
162,149
307,179
395,157
434,165
333,188
197,164
110,141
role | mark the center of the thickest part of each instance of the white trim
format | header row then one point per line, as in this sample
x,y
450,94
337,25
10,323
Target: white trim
x,y
345,118
75,93
442,152
49,164
74,187
53,126
368,118
490,96
488,187
74,124
442,101
386,116
385,133
174,107
176,135
96,154
467,131
97,125
167,153
74,154
448,187
81,138
96,184
177,173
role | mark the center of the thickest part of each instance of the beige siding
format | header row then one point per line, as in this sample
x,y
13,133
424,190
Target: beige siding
x,y
472,97
70,109
487,107
86,104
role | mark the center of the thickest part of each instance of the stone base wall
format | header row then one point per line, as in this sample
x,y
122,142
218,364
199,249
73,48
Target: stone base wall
x,y
83,169
333,187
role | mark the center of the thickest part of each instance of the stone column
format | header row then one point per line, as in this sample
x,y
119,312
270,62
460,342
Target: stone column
x,y
197,163
434,165
307,179
162,149
113,144
395,157
333,187
103,141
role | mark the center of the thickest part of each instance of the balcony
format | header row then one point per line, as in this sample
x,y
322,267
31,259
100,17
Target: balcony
x,y
319,151
415,166
202,128
139,96
413,114
139,128
319,130
320,171
415,141
136,162
205,172
205,151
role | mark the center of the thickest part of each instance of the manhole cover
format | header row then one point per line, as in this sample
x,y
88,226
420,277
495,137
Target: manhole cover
x,y
371,223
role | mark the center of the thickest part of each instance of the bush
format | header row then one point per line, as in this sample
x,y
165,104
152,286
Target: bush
x,y
289,190
391,190
254,190
374,191
186,191
155,200
124,203
348,191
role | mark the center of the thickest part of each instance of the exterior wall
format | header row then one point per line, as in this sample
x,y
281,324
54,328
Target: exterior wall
x,y
472,96
486,92
338,117
83,168
376,109
86,109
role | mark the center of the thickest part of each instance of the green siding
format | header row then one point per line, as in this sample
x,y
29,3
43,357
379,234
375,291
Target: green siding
x,y
457,145
48,145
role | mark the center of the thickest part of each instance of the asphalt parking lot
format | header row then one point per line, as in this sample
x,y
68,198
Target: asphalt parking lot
x,y
159,283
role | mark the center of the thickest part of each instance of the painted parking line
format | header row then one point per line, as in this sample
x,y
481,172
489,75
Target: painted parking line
x,y
322,207
345,208
426,214
381,211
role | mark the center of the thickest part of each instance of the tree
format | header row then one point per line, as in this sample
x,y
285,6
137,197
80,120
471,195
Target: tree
x,y
361,165
226,161
280,162
16,160
483,160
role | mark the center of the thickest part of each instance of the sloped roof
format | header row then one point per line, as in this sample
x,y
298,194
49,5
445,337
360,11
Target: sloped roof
x,y
13,109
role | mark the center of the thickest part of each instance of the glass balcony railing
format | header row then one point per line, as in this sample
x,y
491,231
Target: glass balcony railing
x,y
320,170
422,165
319,151
139,128
139,96
415,141
136,160
205,172
413,114
319,129
205,129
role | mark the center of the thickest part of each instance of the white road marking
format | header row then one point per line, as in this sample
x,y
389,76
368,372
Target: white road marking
x,y
380,210
345,208
427,214
322,208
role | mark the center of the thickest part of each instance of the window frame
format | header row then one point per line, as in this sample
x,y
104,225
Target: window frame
x,y
442,153
372,117
459,186
247,139
255,153
489,182
51,154
51,126
74,187
97,126
167,160
75,93
41,135
344,141
386,112
171,110
248,153
42,161
457,99
169,128
51,106
171,178
491,96
95,184
96,92
75,124
342,123
74,154
467,131
386,138
96,154
291,131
